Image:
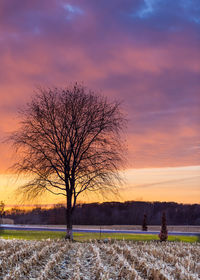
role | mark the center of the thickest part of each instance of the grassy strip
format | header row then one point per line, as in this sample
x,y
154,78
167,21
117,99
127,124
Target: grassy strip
x,y
132,237
38,235
30,234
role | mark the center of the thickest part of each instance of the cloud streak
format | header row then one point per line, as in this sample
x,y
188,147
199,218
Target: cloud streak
x,y
171,182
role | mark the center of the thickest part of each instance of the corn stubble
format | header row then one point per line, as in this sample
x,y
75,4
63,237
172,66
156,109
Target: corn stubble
x,y
59,259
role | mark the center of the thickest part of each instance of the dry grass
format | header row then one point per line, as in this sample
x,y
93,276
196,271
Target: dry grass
x,y
59,259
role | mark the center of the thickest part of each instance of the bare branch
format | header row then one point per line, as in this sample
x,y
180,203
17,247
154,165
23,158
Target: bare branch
x,y
70,141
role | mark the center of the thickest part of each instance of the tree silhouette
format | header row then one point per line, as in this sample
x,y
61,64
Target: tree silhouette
x,y
69,142
144,224
163,235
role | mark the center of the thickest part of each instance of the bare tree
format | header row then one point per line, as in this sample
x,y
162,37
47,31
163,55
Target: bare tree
x,y
69,142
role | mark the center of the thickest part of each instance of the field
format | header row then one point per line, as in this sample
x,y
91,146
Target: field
x,y
58,259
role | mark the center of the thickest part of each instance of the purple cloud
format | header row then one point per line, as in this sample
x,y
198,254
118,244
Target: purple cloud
x,y
143,52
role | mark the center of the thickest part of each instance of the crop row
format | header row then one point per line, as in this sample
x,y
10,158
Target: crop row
x,y
60,259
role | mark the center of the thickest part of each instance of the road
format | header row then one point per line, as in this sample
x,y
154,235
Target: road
x,y
87,230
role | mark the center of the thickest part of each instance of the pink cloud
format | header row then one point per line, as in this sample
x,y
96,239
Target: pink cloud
x,y
155,71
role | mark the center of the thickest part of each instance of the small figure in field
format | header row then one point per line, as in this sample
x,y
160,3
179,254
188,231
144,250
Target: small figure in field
x,y
144,224
163,235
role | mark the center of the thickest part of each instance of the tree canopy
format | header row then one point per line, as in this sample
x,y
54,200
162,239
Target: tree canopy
x,y
69,142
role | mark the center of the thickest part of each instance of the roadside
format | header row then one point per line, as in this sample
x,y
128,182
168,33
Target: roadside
x,y
102,230
171,228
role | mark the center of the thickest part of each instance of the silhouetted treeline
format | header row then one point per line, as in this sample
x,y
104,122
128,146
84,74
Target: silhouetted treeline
x,y
112,213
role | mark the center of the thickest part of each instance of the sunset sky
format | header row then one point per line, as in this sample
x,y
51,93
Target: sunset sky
x,y
145,53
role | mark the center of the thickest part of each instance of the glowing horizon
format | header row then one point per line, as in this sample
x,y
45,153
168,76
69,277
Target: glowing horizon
x,y
148,184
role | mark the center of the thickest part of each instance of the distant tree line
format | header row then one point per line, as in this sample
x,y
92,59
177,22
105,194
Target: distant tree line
x,y
112,213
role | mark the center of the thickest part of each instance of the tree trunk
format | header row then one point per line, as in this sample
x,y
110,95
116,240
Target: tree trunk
x,y
69,234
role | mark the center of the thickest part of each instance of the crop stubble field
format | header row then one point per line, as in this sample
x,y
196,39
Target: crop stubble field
x,y
59,259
